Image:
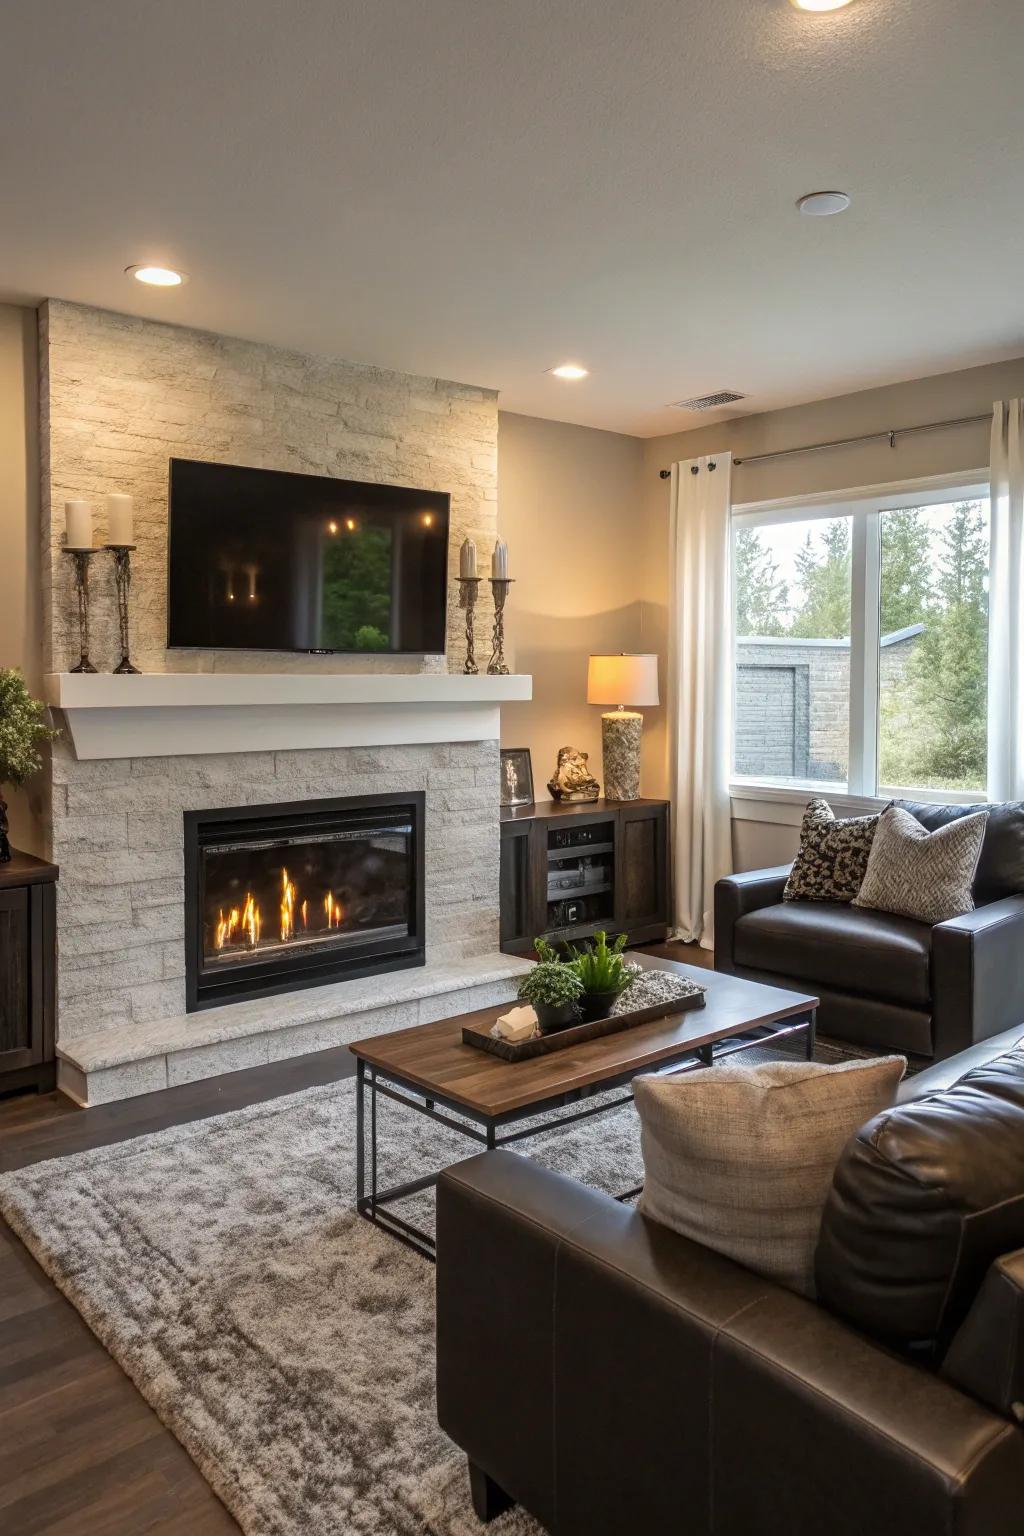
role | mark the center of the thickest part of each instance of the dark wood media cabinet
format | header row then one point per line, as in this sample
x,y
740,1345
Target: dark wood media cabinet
x,y
28,950
569,870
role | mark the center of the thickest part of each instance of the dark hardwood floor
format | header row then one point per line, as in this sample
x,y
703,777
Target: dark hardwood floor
x,y
81,1452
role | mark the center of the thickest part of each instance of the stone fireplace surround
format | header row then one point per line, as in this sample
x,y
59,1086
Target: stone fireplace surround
x,y
119,396
118,824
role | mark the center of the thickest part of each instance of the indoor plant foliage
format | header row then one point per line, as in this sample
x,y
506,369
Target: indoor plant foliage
x,y
603,972
22,732
554,990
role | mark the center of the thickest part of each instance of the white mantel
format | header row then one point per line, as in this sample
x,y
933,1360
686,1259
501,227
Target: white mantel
x,y
172,714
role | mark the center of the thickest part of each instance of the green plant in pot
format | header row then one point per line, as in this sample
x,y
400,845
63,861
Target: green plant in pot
x,y
604,973
22,732
554,991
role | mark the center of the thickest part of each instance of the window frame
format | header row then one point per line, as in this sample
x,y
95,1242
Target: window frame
x,y
758,799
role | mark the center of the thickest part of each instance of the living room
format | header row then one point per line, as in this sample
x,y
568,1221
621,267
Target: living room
x,y
512,769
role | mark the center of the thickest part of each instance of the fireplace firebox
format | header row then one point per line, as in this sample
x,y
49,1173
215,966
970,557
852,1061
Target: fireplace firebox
x,y
279,897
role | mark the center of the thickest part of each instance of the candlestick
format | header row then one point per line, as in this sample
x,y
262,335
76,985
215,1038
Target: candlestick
x,y
496,666
78,524
120,522
467,560
499,561
467,599
81,557
122,554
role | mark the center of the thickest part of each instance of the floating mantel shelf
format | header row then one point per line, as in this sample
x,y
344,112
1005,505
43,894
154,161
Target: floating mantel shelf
x,y
171,714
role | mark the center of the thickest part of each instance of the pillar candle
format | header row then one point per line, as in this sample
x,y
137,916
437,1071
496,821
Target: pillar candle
x,y
467,559
499,561
120,528
78,524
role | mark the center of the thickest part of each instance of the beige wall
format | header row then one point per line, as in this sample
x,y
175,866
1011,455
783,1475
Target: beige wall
x,y
898,405
569,506
20,602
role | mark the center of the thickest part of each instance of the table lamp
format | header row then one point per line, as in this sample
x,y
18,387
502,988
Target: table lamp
x,y
622,680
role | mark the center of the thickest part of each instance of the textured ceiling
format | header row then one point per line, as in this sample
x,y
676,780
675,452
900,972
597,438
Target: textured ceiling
x,y
483,188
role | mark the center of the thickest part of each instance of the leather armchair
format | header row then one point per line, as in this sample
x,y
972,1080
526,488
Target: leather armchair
x,y
611,1377
885,982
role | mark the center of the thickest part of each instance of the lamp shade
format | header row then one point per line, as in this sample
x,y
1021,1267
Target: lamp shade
x,y
622,680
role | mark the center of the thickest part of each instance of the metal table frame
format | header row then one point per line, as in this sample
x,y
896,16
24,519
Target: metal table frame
x,y
373,1082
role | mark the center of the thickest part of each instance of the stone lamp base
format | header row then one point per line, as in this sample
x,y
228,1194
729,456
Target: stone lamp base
x,y
621,731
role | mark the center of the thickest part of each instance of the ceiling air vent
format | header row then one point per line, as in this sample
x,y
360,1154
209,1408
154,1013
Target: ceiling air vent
x,y
708,402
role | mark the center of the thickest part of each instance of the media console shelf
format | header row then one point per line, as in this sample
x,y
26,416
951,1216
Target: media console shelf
x,y
569,870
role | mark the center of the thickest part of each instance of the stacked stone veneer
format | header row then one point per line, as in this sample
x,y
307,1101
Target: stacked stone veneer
x,y
121,396
117,830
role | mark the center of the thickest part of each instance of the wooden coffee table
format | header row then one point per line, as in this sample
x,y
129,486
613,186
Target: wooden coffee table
x,y
429,1069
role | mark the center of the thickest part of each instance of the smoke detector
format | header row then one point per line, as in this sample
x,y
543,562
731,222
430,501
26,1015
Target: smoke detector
x,y
708,402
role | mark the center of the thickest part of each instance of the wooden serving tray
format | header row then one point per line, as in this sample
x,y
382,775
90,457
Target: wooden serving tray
x,y
574,1034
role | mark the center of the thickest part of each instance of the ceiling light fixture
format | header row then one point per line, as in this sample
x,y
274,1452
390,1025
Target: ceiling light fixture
x,y
569,371
819,5
157,277
821,205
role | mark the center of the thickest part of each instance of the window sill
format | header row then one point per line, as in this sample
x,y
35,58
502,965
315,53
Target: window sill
x,y
784,804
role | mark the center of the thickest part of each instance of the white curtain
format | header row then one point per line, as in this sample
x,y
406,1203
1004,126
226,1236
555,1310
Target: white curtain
x,y
700,688
1006,592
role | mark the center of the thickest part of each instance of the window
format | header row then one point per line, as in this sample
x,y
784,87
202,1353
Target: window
x,y
861,634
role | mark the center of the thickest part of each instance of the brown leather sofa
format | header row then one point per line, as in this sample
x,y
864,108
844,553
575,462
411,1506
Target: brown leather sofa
x,y
615,1378
887,982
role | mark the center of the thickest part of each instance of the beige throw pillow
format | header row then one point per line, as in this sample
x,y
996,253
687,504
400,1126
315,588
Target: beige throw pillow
x,y
741,1158
916,873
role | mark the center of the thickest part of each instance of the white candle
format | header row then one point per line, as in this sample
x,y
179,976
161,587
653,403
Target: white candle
x,y
499,561
120,528
78,524
467,559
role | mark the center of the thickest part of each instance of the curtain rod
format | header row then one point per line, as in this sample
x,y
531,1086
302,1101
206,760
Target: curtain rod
x,y
891,434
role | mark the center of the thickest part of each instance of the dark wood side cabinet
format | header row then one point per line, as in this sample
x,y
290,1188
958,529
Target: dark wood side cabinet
x,y
569,870
28,954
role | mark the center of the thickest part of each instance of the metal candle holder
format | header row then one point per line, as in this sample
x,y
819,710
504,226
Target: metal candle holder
x,y
122,554
467,599
81,557
496,666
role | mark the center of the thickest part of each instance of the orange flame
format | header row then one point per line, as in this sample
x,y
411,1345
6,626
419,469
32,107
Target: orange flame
x,y
287,907
251,920
333,911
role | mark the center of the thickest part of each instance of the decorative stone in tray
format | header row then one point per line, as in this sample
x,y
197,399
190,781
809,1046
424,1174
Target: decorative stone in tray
x,y
652,995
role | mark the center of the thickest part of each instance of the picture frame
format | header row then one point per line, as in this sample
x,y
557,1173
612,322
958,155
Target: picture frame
x,y
516,776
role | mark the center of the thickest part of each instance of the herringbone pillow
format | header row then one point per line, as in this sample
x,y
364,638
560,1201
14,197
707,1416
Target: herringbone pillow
x,y
741,1158
927,875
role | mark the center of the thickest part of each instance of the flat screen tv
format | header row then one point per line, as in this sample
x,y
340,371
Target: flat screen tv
x,y
263,560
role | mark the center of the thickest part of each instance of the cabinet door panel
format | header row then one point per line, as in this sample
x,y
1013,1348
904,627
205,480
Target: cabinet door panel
x,y
16,1015
642,866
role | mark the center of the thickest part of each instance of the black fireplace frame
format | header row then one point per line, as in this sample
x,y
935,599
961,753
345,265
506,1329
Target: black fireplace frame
x,y
271,977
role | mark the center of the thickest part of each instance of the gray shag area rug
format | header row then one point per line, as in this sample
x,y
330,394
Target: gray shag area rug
x,y
286,1342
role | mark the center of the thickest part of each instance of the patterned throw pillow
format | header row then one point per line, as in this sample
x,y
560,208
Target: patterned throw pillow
x,y
833,856
927,875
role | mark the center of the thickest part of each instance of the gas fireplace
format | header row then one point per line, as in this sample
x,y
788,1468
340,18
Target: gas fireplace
x,y
285,896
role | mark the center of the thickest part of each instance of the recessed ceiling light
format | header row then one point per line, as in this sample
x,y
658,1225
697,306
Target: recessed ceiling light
x,y
820,205
569,371
820,5
157,277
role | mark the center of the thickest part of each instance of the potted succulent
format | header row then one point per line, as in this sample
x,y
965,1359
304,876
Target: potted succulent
x,y
22,732
604,973
554,990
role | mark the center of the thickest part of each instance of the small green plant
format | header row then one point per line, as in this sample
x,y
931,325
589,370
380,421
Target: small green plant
x,y
601,968
22,733
551,984
22,729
